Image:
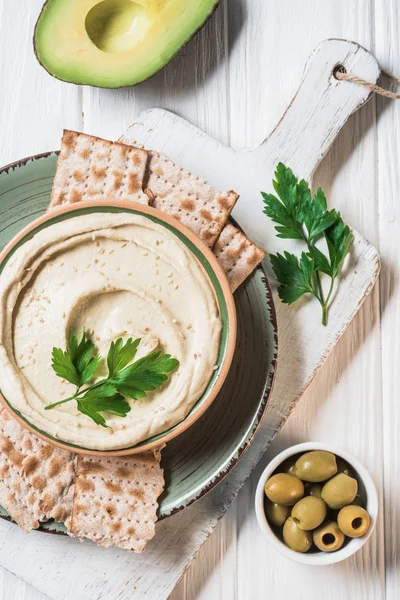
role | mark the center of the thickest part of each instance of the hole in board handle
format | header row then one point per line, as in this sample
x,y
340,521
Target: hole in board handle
x,y
338,69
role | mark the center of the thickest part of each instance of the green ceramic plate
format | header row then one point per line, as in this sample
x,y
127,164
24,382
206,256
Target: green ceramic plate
x,y
198,459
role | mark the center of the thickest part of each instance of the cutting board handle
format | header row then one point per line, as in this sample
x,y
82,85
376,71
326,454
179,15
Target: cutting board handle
x,y
321,106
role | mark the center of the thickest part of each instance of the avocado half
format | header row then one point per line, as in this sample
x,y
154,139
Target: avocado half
x,y
114,43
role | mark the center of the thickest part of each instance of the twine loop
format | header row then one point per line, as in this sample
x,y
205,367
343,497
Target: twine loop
x,y
341,73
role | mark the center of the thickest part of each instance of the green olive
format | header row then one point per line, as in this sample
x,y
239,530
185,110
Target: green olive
x,y
313,489
328,537
316,466
354,521
276,514
295,538
339,491
309,512
285,489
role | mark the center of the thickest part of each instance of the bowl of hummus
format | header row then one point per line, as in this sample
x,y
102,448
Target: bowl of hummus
x,y
120,274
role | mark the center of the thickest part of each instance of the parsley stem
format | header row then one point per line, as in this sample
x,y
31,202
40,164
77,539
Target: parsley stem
x,y
320,293
50,406
325,303
324,314
319,286
330,291
79,392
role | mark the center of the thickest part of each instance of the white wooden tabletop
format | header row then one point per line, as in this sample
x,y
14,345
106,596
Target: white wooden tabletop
x,y
234,80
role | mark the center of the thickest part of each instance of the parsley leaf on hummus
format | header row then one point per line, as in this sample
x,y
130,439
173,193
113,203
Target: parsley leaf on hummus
x,y
78,364
126,379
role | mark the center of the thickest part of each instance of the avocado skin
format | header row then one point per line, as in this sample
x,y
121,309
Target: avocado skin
x,y
213,9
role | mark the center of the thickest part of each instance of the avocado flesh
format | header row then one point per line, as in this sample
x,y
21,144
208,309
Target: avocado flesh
x,y
114,43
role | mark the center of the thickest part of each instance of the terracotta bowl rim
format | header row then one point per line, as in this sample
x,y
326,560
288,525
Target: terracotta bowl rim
x,y
194,415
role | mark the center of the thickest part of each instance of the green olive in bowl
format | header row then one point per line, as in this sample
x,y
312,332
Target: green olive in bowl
x,y
276,513
339,491
284,489
354,521
309,512
295,538
328,537
316,466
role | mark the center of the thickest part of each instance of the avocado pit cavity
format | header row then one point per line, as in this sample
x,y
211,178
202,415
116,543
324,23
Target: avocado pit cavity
x,y
117,25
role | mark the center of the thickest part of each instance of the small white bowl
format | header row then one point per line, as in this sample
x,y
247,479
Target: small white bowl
x,y
366,487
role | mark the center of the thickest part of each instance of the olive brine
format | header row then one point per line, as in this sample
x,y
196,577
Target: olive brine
x,y
313,499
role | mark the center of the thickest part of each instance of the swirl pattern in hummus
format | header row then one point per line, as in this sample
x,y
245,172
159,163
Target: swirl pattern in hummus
x,y
114,275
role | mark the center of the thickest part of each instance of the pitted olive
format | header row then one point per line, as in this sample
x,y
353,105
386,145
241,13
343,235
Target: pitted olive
x,y
354,521
328,537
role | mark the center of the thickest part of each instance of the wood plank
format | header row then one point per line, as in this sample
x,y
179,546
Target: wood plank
x,y
13,588
388,159
34,106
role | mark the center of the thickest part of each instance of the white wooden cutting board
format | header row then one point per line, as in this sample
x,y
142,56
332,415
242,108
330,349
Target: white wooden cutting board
x,y
317,113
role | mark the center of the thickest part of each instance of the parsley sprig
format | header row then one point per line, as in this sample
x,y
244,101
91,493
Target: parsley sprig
x,y
299,216
126,379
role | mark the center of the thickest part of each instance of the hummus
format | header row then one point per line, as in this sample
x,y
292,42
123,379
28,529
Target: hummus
x,y
112,275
